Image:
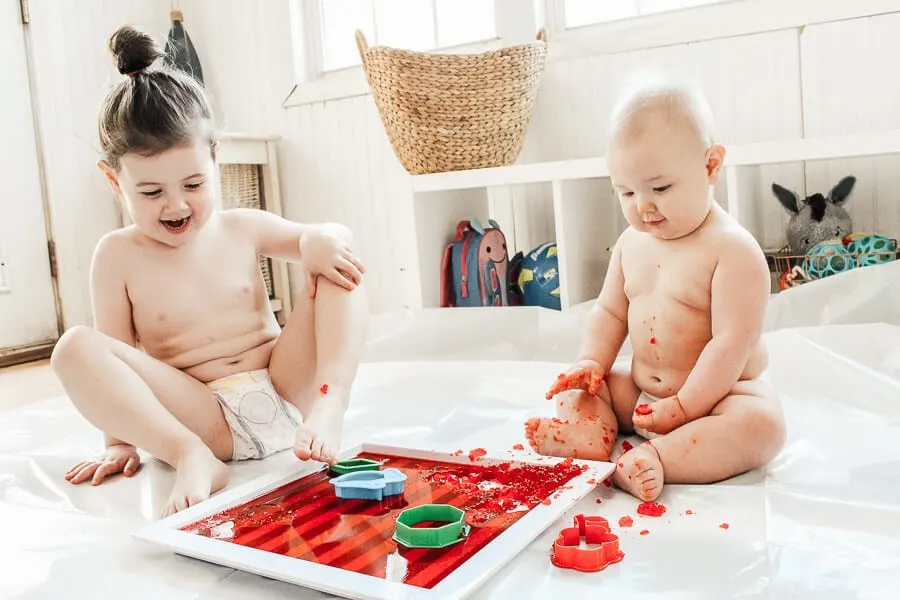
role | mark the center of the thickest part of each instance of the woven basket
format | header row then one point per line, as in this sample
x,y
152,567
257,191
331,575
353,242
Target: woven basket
x,y
453,112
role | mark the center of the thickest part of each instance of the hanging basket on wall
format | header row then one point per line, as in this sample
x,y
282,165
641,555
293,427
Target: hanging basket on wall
x,y
452,112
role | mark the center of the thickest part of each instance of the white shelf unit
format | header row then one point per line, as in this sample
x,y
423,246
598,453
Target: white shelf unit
x,y
585,218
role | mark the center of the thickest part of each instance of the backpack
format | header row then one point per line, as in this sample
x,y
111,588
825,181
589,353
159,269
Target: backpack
x,y
474,268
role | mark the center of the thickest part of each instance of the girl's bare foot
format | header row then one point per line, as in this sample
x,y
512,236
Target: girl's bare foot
x,y
640,472
319,436
198,475
588,438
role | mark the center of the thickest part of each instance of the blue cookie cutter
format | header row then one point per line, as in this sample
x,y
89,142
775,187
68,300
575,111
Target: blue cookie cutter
x,y
369,485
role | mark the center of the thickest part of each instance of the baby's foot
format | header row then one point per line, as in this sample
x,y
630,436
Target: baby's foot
x,y
319,436
587,438
661,417
198,475
640,472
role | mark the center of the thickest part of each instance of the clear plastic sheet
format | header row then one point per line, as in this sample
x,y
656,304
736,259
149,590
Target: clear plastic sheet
x,y
821,521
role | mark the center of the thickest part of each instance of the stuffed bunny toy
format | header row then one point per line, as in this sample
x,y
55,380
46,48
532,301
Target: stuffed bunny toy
x,y
819,218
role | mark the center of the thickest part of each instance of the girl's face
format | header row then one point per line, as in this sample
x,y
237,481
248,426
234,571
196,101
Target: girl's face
x,y
171,195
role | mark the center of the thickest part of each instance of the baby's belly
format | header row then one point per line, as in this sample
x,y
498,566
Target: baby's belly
x,y
667,338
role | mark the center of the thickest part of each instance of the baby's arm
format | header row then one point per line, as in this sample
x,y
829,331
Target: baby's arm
x,y
607,321
739,295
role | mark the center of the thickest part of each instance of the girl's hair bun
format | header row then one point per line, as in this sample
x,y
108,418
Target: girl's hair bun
x,y
133,50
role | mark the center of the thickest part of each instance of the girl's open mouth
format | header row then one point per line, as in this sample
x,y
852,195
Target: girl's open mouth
x,y
176,225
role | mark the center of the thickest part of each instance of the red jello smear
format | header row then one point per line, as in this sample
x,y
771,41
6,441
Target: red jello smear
x,y
626,446
653,341
626,521
724,525
644,409
518,447
324,389
476,454
305,520
644,532
651,509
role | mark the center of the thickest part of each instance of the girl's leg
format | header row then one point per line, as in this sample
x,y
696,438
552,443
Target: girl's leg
x,y
135,398
321,346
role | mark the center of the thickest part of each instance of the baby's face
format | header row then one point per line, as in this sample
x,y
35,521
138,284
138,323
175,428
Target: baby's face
x,y
662,177
169,196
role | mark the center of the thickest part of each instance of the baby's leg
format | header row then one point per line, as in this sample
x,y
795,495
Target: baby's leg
x,y
585,426
149,404
744,431
320,346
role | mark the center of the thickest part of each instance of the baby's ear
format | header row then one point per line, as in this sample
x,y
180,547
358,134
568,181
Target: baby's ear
x,y
110,174
715,158
787,198
841,191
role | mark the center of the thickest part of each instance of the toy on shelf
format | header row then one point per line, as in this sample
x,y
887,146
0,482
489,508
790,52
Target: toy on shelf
x,y
448,526
816,219
539,277
567,552
369,485
474,266
821,240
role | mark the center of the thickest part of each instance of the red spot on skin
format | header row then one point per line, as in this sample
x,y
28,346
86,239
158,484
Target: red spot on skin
x,y
607,482
621,465
651,509
626,446
518,447
724,525
653,341
324,389
694,439
476,454
644,532
644,410
688,512
598,501
626,521
605,439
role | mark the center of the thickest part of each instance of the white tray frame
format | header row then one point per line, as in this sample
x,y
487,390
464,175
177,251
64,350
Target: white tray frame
x,y
459,584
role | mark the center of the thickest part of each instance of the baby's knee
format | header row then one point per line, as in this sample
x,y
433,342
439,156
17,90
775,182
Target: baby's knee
x,y
73,344
765,421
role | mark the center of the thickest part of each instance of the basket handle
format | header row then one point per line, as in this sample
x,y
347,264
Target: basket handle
x,y
542,34
362,46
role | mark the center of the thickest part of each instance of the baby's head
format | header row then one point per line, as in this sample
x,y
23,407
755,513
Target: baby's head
x,y
158,140
662,157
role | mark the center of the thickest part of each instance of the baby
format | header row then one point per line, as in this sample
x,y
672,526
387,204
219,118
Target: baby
x,y
689,286
187,361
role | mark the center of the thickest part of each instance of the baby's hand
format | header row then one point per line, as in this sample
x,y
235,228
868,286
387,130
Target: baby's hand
x,y
121,458
324,251
660,417
584,375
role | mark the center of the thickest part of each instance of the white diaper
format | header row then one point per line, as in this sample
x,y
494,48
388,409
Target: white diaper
x,y
646,398
261,422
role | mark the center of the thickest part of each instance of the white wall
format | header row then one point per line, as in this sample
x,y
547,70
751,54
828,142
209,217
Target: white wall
x,y
73,69
336,162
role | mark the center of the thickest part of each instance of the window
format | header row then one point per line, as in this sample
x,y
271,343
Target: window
x,y
588,12
422,25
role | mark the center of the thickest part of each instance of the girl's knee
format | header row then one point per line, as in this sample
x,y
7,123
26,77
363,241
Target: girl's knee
x,y
765,421
73,344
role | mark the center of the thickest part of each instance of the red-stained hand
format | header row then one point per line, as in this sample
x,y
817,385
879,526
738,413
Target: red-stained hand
x,y
660,417
584,375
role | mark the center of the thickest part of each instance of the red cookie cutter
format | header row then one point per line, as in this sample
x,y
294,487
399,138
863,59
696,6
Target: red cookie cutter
x,y
567,554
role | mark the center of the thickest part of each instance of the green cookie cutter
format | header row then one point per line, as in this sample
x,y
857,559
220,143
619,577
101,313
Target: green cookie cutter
x,y
355,465
455,531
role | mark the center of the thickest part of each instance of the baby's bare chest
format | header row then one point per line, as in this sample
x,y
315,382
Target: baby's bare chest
x,y
681,274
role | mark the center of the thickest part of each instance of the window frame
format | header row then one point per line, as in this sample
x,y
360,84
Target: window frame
x,y
729,18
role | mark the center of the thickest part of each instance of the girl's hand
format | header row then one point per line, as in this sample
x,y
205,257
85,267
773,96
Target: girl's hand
x,y
583,375
121,458
324,251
